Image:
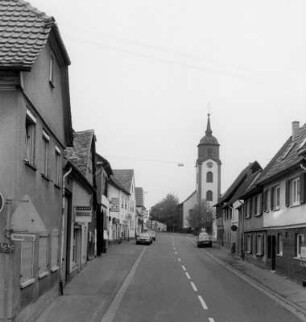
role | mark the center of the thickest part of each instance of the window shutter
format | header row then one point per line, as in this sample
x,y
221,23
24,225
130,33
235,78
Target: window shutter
x,y
264,201
287,193
271,198
303,188
260,203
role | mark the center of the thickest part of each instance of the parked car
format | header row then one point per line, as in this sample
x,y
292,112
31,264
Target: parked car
x,y
144,238
153,234
204,239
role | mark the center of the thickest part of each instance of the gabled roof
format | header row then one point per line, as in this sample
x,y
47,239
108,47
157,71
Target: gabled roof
x,y
24,31
117,184
251,186
241,182
79,154
139,197
124,177
287,157
190,196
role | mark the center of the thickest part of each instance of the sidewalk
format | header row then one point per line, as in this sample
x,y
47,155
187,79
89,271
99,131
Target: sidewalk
x,y
89,294
289,292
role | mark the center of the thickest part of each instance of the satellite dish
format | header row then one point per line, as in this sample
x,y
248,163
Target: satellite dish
x,y
2,202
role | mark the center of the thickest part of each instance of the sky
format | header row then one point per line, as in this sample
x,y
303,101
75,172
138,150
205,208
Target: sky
x,y
145,73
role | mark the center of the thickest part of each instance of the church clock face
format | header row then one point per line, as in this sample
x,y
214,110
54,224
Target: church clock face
x,y
209,164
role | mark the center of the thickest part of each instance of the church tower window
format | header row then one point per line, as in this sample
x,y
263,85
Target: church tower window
x,y
209,195
209,176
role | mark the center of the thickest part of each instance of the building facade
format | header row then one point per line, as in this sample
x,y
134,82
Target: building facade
x,y
35,128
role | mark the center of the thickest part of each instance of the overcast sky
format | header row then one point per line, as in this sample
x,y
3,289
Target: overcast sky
x,y
144,72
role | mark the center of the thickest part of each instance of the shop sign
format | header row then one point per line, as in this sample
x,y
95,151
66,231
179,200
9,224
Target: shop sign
x,y
7,248
82,214
23,237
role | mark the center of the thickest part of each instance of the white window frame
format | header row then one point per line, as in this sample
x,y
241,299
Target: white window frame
x,y
276,197
295,192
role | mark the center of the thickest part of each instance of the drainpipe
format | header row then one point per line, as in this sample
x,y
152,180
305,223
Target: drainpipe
x,y
61,281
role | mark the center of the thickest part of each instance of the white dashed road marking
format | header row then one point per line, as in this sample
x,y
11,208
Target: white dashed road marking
x,y
184,268
204,306
175,253
188,276
211,320
194,287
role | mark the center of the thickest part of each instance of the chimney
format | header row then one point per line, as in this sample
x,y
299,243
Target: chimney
x,y
295,127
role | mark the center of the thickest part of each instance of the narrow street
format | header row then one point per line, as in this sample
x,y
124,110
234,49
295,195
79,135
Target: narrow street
x,y
170,280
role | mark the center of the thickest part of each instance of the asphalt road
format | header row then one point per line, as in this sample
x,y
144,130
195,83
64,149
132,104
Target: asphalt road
x,y
173,280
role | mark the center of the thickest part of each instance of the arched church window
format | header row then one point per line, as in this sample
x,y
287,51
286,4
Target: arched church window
x,y
209,195
209,176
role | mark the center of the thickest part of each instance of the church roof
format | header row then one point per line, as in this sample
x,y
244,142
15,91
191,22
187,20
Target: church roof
x,y
208,139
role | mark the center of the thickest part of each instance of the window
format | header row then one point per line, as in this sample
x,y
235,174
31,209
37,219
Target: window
x,y
293,192
45,155
279,245
259,245
209,195
249,244
30,129
43,256
275,198
58,166
54,251
250,207
27,262
266,201
247,209
257,205
209,176
299,242
51,71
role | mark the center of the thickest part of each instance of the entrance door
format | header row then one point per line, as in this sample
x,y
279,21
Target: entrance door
x,y
272,250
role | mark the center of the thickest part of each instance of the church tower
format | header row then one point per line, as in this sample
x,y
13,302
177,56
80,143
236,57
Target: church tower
x,y
208,173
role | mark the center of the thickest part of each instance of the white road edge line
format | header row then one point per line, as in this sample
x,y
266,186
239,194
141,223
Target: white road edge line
x,y
188,276
204,306
184,268
194,287
113,308
211,319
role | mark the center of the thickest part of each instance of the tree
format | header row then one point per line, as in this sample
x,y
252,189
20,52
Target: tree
x,y
201,216
166,212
